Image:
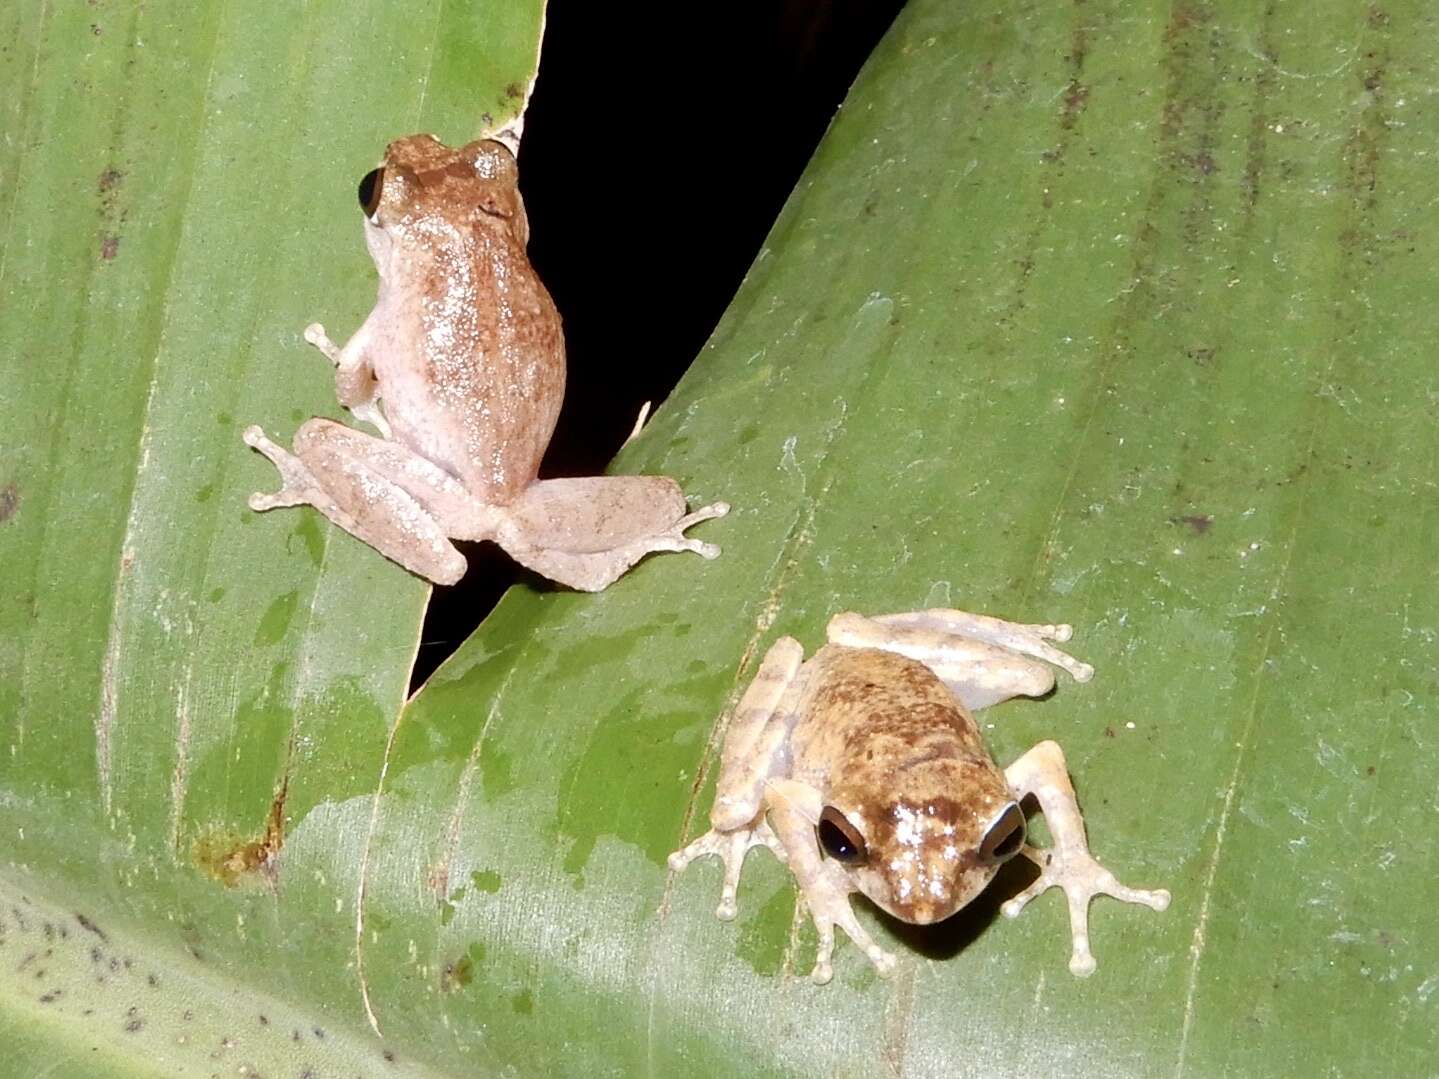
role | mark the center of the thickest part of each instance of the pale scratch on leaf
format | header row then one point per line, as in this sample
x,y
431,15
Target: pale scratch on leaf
x,y
438,878
1038,992
109,703
109,671
364,876
1201,925
797,919
897,1013
369,840
180,778
429,64
105,722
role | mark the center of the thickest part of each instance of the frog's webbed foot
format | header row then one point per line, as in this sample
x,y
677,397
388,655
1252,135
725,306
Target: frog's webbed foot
x,y
730,848
369,412
298,486
1082,878
1068,864
824,886
829,906
379,492
354,390
315,334
586,532
674,538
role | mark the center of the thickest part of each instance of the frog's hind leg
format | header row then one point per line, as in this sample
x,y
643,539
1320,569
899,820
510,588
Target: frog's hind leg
x,y
379,492
751,742
983,660
1068,864
586,532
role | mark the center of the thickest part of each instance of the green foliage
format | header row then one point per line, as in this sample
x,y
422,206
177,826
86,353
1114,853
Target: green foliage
x,y
1110,314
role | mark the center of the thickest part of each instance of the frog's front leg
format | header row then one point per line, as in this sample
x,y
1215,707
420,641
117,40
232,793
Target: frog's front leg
x,y
355,384
982,659
378,491
751,746
586,532
795,808
1068,864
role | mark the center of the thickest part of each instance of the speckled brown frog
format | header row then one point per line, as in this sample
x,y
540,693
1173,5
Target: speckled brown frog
x,y
864,770
460,366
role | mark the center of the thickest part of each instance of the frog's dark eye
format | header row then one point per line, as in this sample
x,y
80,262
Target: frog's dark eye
x,y
839,839
1005,836
370,188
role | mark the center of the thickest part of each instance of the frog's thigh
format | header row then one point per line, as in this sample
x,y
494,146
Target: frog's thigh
x,y
586,532
977,672
1027,639
755,733
375,490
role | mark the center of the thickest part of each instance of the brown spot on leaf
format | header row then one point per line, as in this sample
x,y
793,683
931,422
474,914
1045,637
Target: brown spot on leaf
x,y
1203,162
1075,97
457,975
109,245
90,927
231,860
110,178
9,502
1198,523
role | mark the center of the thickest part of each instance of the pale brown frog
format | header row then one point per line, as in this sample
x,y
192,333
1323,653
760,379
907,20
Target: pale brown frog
x,y
460,366
863,769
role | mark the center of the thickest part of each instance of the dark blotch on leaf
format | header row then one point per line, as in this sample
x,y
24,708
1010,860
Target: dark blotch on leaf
x,y
9,501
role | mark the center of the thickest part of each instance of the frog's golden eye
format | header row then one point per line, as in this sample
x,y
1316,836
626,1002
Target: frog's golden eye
x,y
370,188
838,838
1004,837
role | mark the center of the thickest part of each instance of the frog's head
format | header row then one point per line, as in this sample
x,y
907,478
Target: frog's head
x,y
424,192
924,850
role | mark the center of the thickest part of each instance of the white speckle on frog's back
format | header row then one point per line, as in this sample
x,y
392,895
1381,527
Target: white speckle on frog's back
x,y
482,398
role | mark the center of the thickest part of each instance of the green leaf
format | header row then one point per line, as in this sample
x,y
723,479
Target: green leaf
x,y
1110,314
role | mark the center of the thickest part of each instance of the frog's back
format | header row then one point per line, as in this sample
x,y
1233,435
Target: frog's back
x,y
876,713
463,340
491,365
